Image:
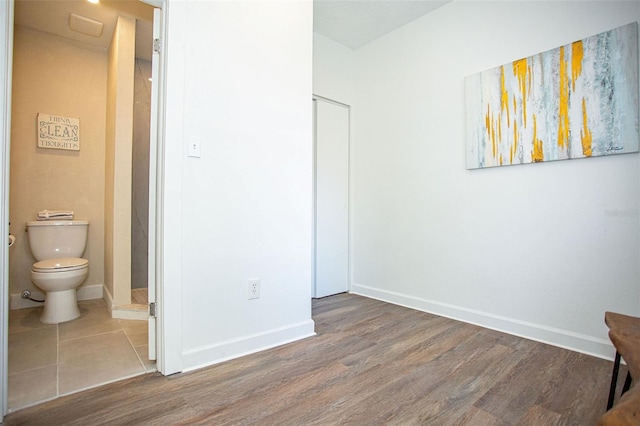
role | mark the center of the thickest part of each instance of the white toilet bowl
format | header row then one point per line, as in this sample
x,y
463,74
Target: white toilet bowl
x,y
59,278
57,247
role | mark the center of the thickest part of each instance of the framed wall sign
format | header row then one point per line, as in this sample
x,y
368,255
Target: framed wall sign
x,y
56,132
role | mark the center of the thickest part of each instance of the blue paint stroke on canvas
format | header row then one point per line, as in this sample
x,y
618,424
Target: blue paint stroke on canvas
x,y
579,100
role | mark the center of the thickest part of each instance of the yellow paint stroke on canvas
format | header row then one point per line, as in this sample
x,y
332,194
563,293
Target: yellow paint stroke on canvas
x,y
585,133
504,97
537,155
514,147
493,138
563,119
491,123
520,70
487,119
577,52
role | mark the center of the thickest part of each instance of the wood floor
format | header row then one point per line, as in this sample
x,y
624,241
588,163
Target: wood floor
x,y
371,363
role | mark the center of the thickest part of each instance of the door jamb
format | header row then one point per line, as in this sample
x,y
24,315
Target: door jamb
x,y
6,67
349,197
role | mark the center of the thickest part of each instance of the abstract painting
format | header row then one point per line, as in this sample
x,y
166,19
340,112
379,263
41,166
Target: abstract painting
x,y
579,100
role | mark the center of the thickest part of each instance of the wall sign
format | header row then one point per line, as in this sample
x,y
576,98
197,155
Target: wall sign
x,y
57,132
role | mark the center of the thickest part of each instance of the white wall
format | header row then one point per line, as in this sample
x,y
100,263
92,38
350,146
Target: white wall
x,y
526,249
333,70
239,79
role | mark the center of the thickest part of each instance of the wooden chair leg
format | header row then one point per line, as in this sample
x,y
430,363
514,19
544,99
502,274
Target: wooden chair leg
x,y
614,381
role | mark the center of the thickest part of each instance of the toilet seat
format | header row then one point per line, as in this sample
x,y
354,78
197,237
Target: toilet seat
x,y
63,264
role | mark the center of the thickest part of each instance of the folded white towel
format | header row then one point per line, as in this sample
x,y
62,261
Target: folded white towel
x,y
55,215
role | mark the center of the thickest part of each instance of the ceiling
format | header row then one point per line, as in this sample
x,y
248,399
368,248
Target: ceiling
x,y
52,16
354,23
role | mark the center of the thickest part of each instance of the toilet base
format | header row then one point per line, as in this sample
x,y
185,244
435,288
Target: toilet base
x,y
60,306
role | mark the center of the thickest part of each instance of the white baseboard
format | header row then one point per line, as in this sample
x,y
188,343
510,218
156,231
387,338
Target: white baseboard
x,y
553,336
17,302
123,312
88,292
108,299
214,354
130,314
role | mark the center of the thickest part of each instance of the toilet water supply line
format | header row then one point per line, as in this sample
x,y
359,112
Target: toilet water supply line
x,y
27,295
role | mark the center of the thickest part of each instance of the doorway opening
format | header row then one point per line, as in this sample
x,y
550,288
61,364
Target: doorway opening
x,y
331,197
65,75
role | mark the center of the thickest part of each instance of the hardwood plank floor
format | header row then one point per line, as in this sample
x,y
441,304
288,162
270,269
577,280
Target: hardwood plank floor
x,y
371,363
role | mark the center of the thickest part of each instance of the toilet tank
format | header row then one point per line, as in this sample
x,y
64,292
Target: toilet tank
x,y
56,239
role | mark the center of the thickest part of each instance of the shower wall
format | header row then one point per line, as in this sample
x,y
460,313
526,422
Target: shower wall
x,y
118,153
140,177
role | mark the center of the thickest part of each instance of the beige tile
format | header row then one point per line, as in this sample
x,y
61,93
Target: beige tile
x,y
26,319
143,354
32,349
94,360
136,331
32,386
94,319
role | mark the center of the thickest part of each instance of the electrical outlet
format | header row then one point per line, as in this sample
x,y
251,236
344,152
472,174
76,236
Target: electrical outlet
x,y
254,289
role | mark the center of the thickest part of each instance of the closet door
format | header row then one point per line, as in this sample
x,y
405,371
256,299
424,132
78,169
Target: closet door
x,y
331,198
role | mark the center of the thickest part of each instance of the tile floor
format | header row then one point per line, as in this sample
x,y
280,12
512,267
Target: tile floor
x,y
46,361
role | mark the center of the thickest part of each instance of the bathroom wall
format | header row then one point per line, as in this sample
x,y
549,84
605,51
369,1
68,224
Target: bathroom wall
x,y
55,76
140,177
119,137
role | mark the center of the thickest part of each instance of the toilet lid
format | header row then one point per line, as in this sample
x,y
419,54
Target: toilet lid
x,y
61,264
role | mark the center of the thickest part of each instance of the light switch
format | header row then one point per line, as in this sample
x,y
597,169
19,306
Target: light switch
x,y
194,147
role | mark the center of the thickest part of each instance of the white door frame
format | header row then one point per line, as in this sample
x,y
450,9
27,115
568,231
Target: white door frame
x,y
167,214
349,195
154,137
156,196
6,64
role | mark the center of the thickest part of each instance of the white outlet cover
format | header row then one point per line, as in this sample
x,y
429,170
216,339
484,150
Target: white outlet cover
x,y
254,289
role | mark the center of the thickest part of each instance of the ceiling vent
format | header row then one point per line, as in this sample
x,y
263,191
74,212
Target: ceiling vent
x,y
85,25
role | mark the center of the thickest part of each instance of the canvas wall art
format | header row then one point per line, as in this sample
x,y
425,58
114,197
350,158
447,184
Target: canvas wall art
x,y
579,100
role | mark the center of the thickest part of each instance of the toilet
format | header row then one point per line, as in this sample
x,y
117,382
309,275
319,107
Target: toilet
x,y
59,270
